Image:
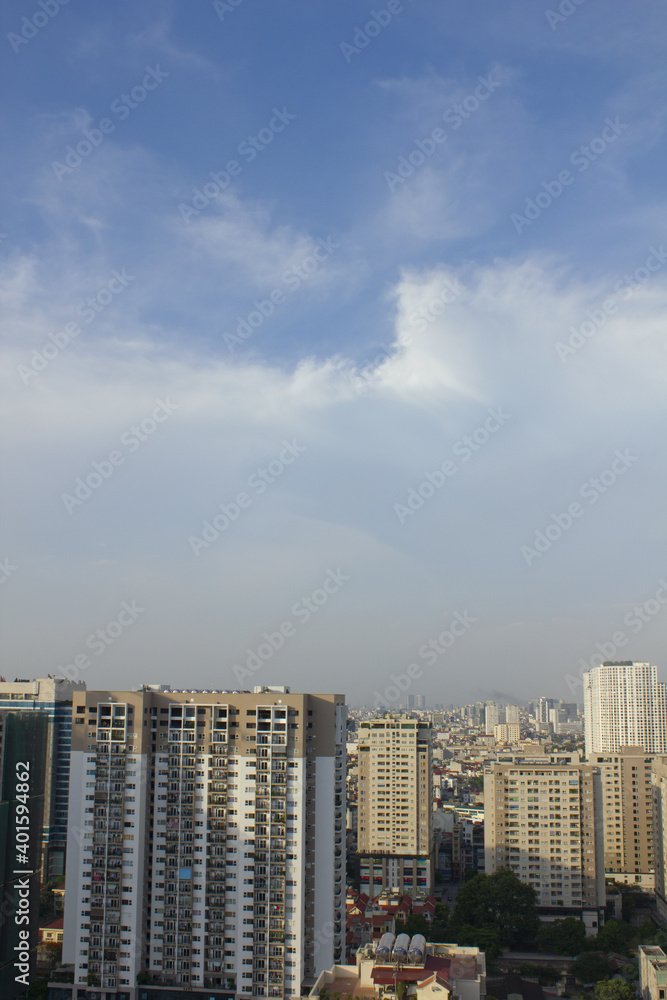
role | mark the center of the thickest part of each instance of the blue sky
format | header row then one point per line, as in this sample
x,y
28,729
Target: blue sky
x,y
434,224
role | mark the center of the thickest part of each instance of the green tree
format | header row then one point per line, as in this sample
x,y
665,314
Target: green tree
x,y
46,903
613,936
38,989
646,933
55,953
499,902
416,925
590,967
439,930
546,974
563,937
487,939
615,989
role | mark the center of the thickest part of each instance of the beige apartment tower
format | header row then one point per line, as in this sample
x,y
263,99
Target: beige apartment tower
x,y
207,841
628,816
540,821
659,778
395,838
507,732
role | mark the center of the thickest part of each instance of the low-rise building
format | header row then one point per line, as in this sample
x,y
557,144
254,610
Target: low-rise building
x,y
652,972
398,965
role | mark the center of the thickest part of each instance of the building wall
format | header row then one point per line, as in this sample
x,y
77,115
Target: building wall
x,y
491,717
628,816
395,795
652,972
226,859
624,706
51,696
659,780
395,786
540,821
25,741
507,733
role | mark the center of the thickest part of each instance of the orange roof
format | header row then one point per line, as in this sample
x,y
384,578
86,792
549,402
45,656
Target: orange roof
x,y
55,925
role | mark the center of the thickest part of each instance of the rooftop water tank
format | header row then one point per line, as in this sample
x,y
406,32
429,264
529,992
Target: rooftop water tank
x,y
417,949
400,951
383,953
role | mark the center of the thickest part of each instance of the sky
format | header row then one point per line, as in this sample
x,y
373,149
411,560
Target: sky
x,y
334,344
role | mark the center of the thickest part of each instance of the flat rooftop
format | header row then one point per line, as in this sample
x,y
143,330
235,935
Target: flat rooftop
x,y
350,987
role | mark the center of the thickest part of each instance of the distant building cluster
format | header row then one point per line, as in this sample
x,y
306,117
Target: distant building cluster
x,y
261,843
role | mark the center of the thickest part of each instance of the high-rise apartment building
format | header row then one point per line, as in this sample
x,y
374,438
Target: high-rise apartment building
x,y
51,696
394,833
624,706
627,791
207,840
659,778
491,717
512,715
540,820
24,776
543,709
507,733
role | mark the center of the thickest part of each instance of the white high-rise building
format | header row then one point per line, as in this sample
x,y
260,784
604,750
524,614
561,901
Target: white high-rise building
x,y
207,840
624,706
491,717
512,715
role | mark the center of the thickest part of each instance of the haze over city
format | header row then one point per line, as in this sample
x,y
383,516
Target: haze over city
x,y
334,341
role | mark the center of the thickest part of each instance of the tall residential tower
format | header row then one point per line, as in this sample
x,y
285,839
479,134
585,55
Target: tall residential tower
x,y
52,697
543,819
395,837
207,840
624,706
